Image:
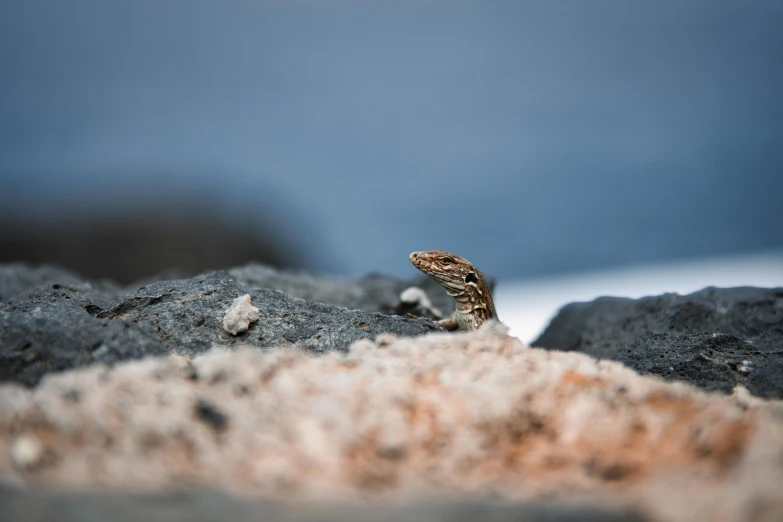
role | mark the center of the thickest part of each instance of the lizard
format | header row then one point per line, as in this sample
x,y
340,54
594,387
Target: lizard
x,y
464,283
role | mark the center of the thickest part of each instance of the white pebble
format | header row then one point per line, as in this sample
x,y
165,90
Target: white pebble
x,y
240,315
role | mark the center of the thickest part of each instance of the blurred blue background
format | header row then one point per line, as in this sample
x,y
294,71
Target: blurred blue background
x,y
532,137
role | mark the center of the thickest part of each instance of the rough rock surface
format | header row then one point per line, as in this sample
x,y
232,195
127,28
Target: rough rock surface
x,y
186,316
49,329
455,416
715,339
50,320
374,293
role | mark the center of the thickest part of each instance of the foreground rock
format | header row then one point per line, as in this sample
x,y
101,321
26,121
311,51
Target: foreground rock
x,y
714,339
51,321
454,416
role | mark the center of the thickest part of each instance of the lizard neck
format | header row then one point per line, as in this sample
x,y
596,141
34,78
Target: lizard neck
x,y
475,299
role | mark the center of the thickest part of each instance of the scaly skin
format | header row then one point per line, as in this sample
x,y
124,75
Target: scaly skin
x,y
464,283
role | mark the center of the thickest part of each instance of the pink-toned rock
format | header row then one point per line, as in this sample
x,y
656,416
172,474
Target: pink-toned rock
x,y
455,415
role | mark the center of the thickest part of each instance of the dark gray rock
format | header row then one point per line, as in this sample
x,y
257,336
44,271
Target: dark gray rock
x,y
51,329
186,316
374,293
715,338
68,324
209,506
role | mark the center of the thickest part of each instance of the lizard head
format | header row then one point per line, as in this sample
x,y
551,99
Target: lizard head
x,y
450,270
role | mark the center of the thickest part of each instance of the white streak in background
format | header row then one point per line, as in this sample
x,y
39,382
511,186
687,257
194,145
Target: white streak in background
x,y
526,307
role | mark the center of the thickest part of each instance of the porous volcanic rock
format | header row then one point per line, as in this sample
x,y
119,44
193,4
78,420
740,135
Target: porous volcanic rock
x,y
452,416
50,320
716,338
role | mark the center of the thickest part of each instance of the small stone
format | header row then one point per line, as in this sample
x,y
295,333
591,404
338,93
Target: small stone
x,y
414,300
240,315
415,295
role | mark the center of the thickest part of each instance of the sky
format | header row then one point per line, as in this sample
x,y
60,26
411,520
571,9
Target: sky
x,y
531,137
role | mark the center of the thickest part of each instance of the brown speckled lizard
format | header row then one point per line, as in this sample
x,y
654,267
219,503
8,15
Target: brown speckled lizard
x,y
464,283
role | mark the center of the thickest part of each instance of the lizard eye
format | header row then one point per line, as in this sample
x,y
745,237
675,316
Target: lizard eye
x,y
446,260
470,278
